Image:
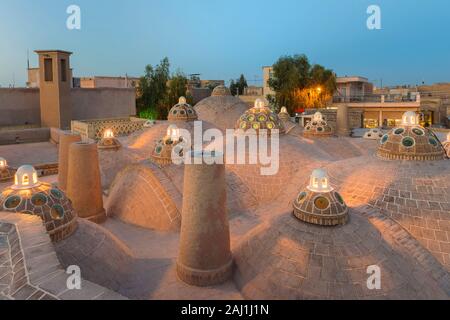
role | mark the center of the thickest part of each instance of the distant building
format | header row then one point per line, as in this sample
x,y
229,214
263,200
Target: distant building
x,y
253,91
51,101
352,89
86,82
267,75
106,82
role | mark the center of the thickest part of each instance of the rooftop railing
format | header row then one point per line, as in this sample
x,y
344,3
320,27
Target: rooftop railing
x,y
389,98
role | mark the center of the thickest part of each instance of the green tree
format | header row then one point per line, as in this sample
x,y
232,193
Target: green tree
x,y
242,84
152,89
298,84
238,86
233,87
177,87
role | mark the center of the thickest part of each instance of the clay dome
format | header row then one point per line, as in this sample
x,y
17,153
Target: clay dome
x,y
109,141
162,152
258,118
221,91
410,141
289,259
412,193
221,109
318,127
182,111
284,114
319,203
446,145
30,196
6,173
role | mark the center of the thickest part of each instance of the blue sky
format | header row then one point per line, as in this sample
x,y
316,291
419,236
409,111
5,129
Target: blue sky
x,y
222,39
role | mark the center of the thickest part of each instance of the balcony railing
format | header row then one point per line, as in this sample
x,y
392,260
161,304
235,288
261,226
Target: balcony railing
x,y
389,98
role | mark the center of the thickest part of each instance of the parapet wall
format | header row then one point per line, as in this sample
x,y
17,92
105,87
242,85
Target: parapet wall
x,y
19,106
354,117
101,103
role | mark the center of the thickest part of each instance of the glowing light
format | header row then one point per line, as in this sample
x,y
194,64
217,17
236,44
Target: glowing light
x,y
182,100
173,132
319,89
25,178
410,118
319,181
259,103
3,164
317,116
108,134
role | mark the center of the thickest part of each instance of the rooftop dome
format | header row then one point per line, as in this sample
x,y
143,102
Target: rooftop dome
x,y
6,173
446,145
260,117
108,141
410,141
221,91
162,153
182,111
221,109
288,259
320,204
30,196
318,127
284,114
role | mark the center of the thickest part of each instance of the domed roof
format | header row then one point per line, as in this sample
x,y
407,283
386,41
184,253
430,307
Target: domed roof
x,y
446,145
319,203
6,173
164,148
289,259
410,141
221,91
30,196
318,127
284,114
108,141
221,109
258,118
182,111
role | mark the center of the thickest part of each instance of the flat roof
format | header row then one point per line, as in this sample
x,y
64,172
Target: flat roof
x,y
49,51
351,79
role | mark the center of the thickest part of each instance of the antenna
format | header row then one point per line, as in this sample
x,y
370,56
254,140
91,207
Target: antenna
x,y
28,59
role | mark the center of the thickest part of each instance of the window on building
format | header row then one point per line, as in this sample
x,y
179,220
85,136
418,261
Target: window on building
x,y
48,69
63,70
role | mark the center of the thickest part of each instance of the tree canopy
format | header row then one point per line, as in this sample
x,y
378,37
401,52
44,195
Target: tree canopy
x,y
238,86
158,91
299,85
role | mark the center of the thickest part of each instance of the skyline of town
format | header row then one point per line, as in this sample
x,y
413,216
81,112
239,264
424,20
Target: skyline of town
x,y
406,50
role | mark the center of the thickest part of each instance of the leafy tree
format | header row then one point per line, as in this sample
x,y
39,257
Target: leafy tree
x,y
233,87
238,86
242,84
176,88
297,84
153,88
